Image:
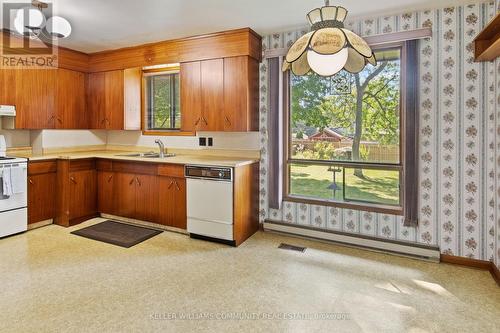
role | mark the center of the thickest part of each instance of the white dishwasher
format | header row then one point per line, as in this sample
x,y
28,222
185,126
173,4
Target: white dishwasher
x,y
210,202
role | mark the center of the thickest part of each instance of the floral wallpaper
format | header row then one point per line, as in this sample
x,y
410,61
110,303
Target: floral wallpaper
x,y
459,140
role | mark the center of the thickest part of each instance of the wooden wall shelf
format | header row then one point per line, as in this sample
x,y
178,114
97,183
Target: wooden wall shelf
x,y
487,43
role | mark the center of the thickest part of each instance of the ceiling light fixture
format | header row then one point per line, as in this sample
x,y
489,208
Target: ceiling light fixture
x,y
30,21
329,47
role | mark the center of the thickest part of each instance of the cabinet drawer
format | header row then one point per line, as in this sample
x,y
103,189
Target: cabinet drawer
x,y
104,165
37,168
135,167
81,165
171,170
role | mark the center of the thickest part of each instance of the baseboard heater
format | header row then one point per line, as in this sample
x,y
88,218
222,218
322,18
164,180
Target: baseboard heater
x,y
393,247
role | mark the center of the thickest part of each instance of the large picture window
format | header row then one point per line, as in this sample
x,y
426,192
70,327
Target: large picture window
x,y
344,135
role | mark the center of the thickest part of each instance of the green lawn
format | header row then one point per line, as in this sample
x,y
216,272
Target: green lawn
x,y
378,186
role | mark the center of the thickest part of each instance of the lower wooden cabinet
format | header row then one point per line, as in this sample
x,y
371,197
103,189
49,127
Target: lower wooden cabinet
x,y
76,191
172,202
82,194
42,179
135,196
105,181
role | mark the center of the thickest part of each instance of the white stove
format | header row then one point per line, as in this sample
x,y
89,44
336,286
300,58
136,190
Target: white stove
x,y
13,193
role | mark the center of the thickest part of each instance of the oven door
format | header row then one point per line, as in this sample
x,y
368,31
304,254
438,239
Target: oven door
x,y
16,201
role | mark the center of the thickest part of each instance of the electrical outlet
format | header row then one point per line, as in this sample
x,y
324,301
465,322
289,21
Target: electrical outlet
x,y
210,142
203,142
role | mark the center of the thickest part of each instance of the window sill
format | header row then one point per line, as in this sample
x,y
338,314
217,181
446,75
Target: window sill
x,y
374,208
168,133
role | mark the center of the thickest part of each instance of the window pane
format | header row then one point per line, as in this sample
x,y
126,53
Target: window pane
x,y
376,186
163,109
348,117
328,182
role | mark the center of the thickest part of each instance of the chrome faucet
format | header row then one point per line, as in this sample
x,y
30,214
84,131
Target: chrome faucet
x,y
162,148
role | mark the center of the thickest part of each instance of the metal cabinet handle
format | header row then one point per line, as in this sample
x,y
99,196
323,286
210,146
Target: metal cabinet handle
x,y
138,181
31,181
227,120
110,178
197,121
72,180
171,184
59,120
205,121
177,186
131,181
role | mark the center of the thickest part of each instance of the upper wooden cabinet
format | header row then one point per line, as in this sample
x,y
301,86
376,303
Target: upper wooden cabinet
x,y
113,99
45,98
35,98
71,111
220,95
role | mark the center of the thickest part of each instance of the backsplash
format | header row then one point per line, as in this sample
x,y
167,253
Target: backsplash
x,y
458,140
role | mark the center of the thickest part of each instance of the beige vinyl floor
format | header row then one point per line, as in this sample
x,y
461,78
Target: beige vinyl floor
x,y
52,281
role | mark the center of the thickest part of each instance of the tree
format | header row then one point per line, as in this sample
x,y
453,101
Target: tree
x,y
370,112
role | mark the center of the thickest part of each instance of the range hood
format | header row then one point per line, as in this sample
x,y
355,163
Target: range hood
x,y
8,110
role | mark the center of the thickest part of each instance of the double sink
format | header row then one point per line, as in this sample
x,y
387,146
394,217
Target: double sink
x,y
146,155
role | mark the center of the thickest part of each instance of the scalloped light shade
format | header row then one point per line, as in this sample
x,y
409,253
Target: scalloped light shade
x,y
329,47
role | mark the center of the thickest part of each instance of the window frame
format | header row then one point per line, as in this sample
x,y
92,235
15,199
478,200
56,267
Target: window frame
x,y
357,205
145,121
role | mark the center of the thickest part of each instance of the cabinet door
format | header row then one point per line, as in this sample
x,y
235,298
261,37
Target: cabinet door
x,y
95,100
105,181
35,98
146,202
82,193
7,87
71,111
212,95
172,202
124,185
190,77
114,100
41,197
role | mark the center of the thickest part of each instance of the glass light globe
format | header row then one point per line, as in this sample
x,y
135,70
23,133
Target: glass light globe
x,y
329,64
58,26
28,19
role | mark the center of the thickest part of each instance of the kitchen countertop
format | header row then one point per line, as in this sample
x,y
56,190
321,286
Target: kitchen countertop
x,y
179,159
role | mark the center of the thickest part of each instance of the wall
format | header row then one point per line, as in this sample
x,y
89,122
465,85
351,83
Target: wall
x,y
233,141
16,138
52,139
458,140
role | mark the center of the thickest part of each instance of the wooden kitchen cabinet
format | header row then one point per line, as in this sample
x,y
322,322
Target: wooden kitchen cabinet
x,y
76,199
82,194
7,87
172,202
241,94
137,196
105,183
220,95
35,98
71,110
41,191
113,99
146,203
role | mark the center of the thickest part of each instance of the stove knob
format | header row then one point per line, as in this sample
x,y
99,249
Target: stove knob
x,y
221,175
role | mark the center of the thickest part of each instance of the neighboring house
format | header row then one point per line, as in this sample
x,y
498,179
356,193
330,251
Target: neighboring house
x,y
331,134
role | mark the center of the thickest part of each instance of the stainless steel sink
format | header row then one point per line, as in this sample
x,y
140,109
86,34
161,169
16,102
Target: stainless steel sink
x,y
146,155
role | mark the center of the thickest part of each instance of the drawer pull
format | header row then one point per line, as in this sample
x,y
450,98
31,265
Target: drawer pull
x,y
110,178
138,181
73,180
227,120
131,181
171,184
31,182
177,186
204,120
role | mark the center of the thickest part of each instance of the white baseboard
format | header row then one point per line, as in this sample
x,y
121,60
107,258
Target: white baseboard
x,y
421,252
